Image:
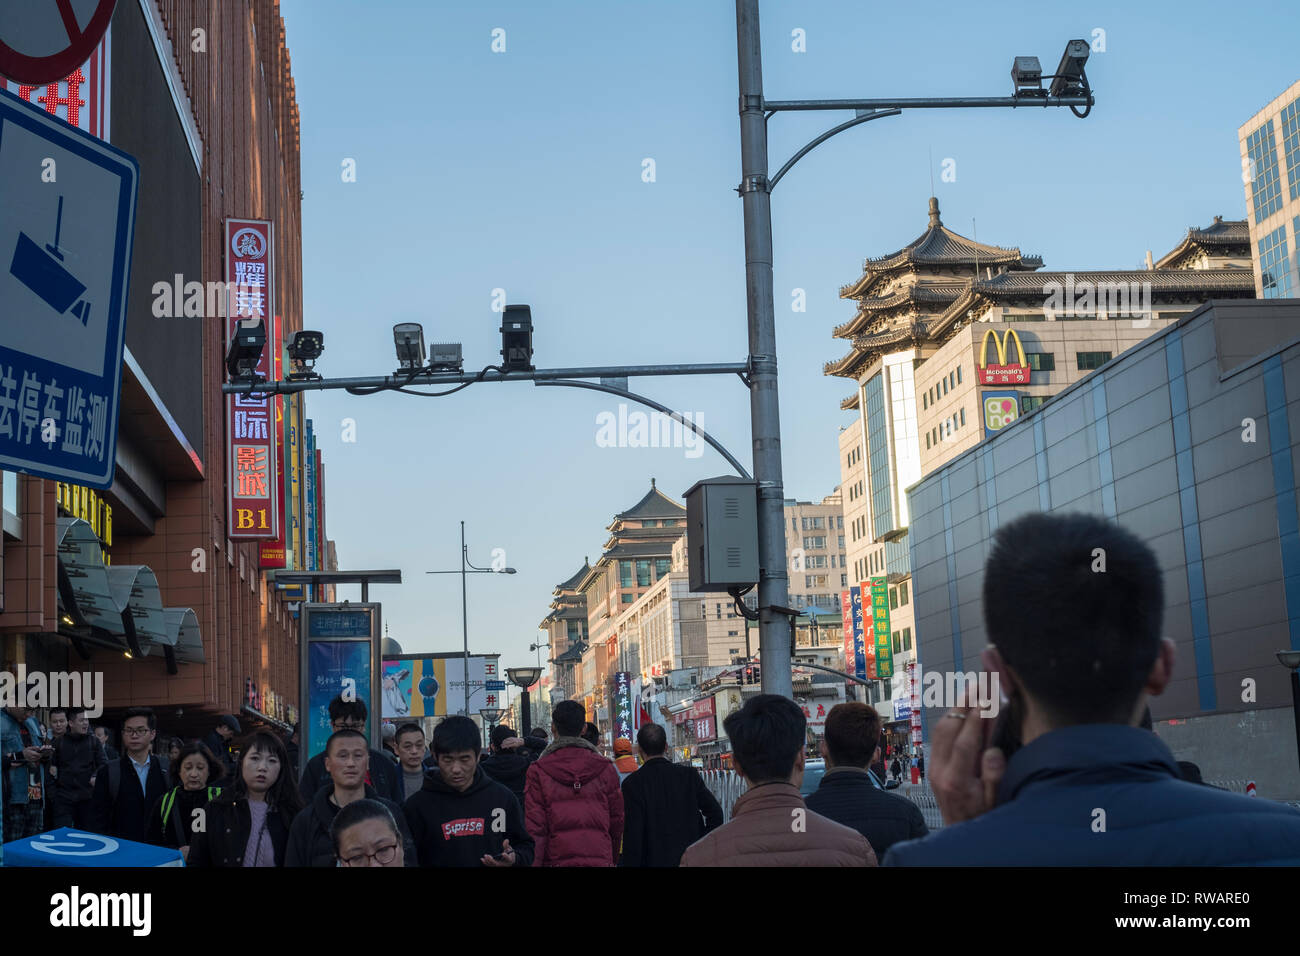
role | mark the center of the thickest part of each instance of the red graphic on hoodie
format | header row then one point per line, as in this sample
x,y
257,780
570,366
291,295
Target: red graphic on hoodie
x,y
469,826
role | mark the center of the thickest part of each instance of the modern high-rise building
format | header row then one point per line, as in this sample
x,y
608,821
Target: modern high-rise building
x,y
815,551
929,386
1270,169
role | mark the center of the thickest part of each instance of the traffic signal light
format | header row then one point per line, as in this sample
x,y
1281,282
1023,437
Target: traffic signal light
x,y
517,339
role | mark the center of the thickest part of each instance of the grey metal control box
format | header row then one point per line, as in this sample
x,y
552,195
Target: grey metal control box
x,y
722,533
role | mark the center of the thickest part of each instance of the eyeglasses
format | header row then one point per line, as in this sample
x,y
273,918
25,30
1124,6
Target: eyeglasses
x,y
135,731
383,856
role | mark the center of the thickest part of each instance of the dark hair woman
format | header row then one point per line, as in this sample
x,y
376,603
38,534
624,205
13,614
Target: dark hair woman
x,y
248,823
194,774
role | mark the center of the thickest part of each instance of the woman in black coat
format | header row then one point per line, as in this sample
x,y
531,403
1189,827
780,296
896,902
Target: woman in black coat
x,y
195,775
248,823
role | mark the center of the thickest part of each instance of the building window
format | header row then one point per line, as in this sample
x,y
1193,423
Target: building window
x,y
1029,402
643,573
625,574
844,580
1265,187
1275,264
841,537
732,634
902,594
649,524
958,374
925,400
927,439
962,414
1041,361
817,542
629,598
893,599
839,526
898,642
1087,361
662,567
907,638
945,385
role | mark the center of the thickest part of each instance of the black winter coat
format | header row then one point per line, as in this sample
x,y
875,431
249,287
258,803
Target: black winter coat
x,y
175,829
668,808
78,757
451,828
510,768
848,796
309,837
128,816
230,824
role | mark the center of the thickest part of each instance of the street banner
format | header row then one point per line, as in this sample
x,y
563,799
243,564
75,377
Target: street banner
x,y
251,455
623,705
880,623
81,98
272,553
416,686
322,546
846,612
67,228
859,640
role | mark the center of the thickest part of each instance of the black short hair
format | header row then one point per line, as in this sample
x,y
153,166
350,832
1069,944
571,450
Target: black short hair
x,y
145,712
359,811
1074,604
540,732
410,727
343,735
590,733
341,709
852,734
58,710
75,712
569,717
652,740
456,734
500,734
767,735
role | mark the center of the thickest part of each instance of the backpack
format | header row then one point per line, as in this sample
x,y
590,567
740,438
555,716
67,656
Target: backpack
x,y
114,769
169,801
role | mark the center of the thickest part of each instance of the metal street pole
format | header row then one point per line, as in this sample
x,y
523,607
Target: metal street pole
x,y
773,585
464,615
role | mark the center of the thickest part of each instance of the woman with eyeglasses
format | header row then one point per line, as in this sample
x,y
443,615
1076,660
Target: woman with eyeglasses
x,y
194,775
248,824
365,834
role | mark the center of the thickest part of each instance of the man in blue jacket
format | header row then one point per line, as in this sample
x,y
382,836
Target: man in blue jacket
x,y
24,755
1074,781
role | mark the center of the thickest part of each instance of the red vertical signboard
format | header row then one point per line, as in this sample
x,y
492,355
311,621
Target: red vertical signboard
x,y
322,549
272,553
251,474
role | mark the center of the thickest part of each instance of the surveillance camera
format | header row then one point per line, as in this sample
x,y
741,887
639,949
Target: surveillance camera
x,y
1069,79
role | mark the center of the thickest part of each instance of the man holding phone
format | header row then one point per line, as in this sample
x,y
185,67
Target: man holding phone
x,y
25,755
1072,779
462,817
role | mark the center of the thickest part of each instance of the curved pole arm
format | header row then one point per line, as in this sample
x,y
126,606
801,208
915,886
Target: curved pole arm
x,y
651,403
865,117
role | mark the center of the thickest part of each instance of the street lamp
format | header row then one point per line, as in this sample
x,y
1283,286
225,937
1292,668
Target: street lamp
x,y
467,568
490,715
1291,660
524,678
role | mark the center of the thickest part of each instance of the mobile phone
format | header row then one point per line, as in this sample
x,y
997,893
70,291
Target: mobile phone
x,y
1006,729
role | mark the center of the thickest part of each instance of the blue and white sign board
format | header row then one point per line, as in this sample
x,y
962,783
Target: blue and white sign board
x,y
67,223
494,685
68,847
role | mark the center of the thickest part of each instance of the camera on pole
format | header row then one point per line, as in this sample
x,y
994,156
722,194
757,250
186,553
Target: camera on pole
x,y
517,339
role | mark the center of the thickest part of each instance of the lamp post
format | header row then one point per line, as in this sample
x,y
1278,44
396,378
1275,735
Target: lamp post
x,y
524,678
467,568
1291,661
491,716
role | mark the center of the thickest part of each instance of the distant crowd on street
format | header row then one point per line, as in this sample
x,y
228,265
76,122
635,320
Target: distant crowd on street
x,y
1069,775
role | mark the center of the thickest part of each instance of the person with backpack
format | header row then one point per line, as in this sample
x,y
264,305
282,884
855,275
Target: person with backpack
x,y
127,788
194,776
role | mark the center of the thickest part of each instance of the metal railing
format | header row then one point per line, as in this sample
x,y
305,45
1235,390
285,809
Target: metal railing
x,y
727,786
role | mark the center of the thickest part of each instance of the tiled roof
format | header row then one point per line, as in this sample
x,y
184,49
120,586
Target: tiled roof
x,y
937,295
655,504
573,580
1218,238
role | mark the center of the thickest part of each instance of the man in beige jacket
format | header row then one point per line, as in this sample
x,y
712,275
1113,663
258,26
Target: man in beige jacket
x,y
770,825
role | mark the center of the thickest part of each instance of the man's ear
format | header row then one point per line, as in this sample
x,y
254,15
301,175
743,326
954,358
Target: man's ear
x,y
821,748
991,660
1162,670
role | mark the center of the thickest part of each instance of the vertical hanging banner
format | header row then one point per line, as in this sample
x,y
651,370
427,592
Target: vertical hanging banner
x,y
868,641
251,479
309,503
846,610
880,621
322,548
272,553
623,705
859,642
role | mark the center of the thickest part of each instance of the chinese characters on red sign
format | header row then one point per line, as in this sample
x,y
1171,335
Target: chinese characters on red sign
x,y
253,499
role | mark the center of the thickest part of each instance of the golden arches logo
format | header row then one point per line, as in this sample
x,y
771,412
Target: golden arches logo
x,y
1002,373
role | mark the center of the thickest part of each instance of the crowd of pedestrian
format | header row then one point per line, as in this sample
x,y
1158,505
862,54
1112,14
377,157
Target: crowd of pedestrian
x,y
1071,773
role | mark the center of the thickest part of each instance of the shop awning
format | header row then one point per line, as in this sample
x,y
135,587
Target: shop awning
x,y
183,627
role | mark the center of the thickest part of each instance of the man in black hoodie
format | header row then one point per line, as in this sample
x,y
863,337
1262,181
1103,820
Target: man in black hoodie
x,y
347,757
78,756
508,762
463,817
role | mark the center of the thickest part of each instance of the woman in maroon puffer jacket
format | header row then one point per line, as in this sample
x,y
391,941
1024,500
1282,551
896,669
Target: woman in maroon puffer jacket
x,y
573,804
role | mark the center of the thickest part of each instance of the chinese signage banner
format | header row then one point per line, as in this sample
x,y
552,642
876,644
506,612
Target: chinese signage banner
x,y
272,553
82,98
252,481
859,640
880,623
623,705
846,609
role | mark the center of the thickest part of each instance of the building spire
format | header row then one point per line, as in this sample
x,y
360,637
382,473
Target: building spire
x,y
934,212
652,484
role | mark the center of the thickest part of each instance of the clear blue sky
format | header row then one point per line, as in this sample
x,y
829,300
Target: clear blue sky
x,y
522,170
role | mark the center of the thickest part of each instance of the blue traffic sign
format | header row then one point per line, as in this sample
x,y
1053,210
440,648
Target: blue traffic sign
x,y
495,685
67,223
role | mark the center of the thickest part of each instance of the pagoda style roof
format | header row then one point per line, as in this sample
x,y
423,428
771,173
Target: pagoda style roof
x,y
939,247
572,583
850,402
1219,238
928,297
655,504
640,549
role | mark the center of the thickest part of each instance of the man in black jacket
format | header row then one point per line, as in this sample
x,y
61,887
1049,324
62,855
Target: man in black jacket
x,y
463,817
218,740
508,765
668,806
126,789
78,757
346,758
846,793
383,775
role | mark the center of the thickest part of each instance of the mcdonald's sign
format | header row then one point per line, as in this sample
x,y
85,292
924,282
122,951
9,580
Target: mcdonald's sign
x,y
1002,373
